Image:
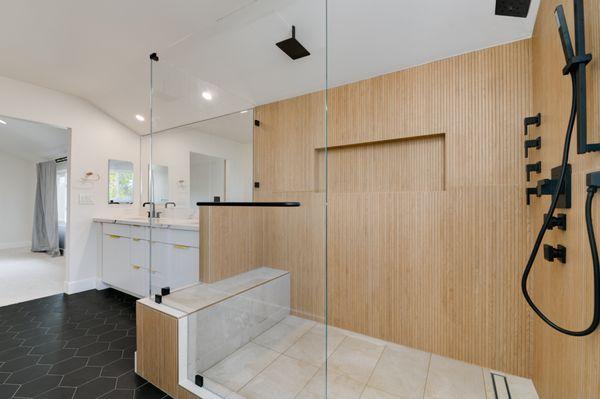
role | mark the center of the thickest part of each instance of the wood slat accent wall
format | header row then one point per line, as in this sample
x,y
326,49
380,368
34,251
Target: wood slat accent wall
x,y
565,367
157,350
432,269
231,241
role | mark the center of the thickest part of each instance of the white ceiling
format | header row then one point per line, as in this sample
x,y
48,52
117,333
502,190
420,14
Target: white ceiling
x,y
32,141
98,50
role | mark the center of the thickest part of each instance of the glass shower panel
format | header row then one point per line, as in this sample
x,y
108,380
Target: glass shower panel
x,y
237,181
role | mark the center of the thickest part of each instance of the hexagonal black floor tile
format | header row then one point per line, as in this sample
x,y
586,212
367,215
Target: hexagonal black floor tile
x,y
149,391
81,376
112,335
7,391
68,365
118,368
36,387
58,356
57,393
123,343
20,363
92,349
81,341
130,381
28,374
104,358
118,394
95,388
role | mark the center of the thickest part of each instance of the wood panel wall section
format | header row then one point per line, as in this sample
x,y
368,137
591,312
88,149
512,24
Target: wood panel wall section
x,y
157,349
428,251
231,241
564,367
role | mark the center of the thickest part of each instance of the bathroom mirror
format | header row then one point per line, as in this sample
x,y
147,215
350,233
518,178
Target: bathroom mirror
x,y
202,160
120,182
160,176
207,178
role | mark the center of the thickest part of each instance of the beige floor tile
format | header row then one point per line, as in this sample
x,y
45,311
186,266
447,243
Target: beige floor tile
x,y
355,358
374,393
401,371
299,322
311,347
451,379
283,335
521,388
283,379
339,386
236,370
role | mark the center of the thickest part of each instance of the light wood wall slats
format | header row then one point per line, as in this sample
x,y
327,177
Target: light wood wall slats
x,y
564,367
434,270
415,164
157,350
231,241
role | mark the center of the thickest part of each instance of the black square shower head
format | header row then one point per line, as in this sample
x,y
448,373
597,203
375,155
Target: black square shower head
x,y
513,8
292,47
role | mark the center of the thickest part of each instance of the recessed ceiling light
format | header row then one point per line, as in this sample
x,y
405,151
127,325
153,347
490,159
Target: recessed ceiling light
x,y
207,95
140,117
2,122
244,112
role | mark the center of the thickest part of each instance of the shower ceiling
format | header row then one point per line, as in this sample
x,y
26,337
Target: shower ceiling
x,y
99,50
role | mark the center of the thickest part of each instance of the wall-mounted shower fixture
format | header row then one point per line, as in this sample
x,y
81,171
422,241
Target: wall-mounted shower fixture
x,y
576,67
551,187
559,221
532,120
513,8
551,253
533,167
534,143
576,64
292,47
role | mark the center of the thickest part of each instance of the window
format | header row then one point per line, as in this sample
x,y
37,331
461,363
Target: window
x,y
120,182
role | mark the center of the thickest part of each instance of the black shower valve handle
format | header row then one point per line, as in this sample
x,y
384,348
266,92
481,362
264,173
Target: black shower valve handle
x,y
529,191
532,120
534,143
533,167
559,221
551,253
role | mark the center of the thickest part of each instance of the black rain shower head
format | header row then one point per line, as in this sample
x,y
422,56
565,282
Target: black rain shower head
x,y
292,47
513,8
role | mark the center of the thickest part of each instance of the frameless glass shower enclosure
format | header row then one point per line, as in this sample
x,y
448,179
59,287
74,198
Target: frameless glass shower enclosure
x,y
217,163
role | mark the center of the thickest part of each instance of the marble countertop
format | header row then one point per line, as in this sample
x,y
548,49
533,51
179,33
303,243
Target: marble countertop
x,y
163,223
200,296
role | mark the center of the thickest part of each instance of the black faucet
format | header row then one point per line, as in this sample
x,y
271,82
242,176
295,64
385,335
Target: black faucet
x,y
152,212
170,203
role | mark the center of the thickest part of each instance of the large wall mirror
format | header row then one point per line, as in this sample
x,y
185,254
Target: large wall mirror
x,y
204,161
120,182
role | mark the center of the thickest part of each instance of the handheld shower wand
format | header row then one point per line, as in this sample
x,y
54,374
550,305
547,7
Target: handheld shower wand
x,y
576,64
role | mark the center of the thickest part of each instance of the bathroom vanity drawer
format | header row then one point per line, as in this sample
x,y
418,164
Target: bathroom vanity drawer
x,y
177,237
114,229
140,232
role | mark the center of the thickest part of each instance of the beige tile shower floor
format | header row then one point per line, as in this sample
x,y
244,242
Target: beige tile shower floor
x,y
287,362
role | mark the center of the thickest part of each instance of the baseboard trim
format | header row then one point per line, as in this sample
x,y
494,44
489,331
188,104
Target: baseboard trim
x,y
14,245
73,287
101,285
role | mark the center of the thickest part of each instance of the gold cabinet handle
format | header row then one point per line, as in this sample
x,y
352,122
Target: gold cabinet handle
x,y
114,236
136,267
180,246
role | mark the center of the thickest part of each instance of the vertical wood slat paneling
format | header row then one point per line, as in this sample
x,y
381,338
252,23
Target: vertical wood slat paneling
x,y
434,270
564,367
231,240
157,348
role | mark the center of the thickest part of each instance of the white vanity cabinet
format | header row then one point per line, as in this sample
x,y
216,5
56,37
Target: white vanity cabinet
x,y
126,263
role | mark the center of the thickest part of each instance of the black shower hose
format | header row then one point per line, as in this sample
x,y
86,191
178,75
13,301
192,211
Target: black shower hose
x,y
590,231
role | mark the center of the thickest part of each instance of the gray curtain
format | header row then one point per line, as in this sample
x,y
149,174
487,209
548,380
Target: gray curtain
x,y
45,214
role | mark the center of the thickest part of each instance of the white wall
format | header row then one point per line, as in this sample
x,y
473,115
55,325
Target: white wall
x,y
17,195
172,149
95,137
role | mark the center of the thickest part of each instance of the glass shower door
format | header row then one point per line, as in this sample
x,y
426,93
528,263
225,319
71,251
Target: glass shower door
x,y
237,174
